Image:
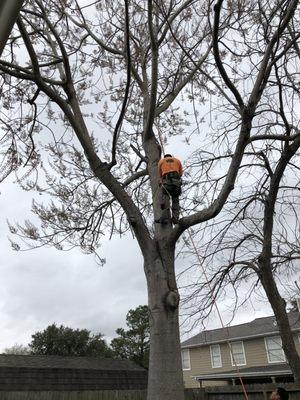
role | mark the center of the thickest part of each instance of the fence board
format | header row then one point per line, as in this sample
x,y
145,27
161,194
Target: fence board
x,y
85,395
255,392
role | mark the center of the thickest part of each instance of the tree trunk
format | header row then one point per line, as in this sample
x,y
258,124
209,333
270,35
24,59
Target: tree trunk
x,y
9,10
165,380
278,305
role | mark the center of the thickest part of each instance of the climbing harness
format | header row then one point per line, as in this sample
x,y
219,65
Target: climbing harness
x,y
172,184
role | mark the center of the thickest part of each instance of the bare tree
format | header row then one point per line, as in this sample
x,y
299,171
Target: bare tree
x,y
111,75
18,349
256,238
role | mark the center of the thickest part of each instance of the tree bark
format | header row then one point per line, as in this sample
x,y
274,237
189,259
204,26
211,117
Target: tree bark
x,y
278,305
165,380
9,10
266,274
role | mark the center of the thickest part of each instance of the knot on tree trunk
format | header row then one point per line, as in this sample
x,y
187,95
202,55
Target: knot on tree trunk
x,y
132,221
172,300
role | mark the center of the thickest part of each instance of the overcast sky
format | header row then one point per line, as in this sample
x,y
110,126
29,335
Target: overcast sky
x,y
43,286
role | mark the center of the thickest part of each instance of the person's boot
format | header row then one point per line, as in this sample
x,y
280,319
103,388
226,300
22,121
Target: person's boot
x,y
175,220
162,221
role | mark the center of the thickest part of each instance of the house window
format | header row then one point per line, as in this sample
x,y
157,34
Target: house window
x,y
237,353
274,349
185,359
215,354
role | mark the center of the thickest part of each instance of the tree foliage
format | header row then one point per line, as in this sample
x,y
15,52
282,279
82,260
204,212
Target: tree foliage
x,y
133,343
65,341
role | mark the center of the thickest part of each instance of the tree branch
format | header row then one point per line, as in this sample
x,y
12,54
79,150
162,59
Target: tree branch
x,y
264,71
148,133
126,94
288,152
99,168
174,93
228,82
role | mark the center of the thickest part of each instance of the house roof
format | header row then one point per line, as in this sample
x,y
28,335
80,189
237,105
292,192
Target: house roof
x,y
258,327
34,361
248,372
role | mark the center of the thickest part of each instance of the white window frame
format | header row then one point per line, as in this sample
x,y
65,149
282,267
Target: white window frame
x,y
267,350
215,346
231,354
188,359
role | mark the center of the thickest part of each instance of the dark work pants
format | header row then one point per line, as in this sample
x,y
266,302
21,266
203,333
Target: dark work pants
x,y
165,199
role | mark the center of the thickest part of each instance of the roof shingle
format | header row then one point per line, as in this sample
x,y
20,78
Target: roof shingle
x,y
258,327
35,361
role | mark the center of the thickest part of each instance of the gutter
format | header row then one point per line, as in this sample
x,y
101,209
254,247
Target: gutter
x,y
222,376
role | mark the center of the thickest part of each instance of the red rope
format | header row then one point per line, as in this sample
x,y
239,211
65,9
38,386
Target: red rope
x,y
212,294
219,314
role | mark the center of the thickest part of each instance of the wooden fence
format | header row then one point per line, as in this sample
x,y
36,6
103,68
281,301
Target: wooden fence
x,y
84,395
254,392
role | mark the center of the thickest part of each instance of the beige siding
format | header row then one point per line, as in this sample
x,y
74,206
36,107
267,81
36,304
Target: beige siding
x,y
255,353
189,381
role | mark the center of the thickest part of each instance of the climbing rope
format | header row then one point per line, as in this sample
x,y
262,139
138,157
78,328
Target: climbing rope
x,y
213,298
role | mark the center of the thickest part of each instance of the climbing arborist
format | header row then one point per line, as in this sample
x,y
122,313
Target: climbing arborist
x,y
170,172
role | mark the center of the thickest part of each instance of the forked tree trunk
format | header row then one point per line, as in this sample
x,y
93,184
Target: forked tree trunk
x,y
165,380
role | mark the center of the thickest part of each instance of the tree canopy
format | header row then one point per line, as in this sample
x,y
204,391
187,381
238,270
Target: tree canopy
x,y
65,341
134,343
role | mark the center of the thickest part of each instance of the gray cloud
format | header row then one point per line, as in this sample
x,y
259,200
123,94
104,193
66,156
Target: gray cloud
x,y
42,286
